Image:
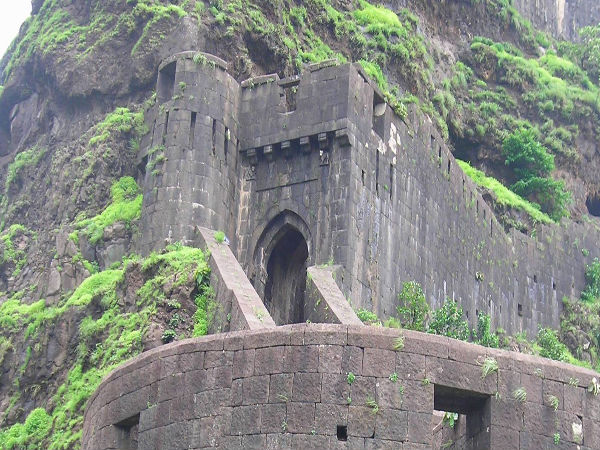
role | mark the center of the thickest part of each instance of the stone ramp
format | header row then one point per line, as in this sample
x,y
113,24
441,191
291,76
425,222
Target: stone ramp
x,y
324,301
237,297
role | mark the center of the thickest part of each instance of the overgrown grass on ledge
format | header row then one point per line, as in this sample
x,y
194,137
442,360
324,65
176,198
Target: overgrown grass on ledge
x,y
504,196
126,206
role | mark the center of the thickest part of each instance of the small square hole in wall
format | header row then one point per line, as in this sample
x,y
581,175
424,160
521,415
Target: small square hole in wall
x,y
342,433
520,309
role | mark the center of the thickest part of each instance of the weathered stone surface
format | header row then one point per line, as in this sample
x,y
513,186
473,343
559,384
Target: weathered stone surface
x,y
269,407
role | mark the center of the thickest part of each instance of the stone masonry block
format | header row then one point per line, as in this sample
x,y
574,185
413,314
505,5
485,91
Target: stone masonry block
x,y
306,387
391,424
280,388
302,359
255,390
330,358
329,417
269,360
378,363
245,420
300,417
361,421
273,418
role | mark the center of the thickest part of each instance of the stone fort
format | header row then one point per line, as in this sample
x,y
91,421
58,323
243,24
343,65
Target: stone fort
x,y
330,201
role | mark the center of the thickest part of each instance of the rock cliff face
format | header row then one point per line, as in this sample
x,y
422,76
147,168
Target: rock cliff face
x,y
75,86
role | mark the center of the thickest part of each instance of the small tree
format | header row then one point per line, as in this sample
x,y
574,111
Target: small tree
x,y
550,346
526,156
483,334
412,308
592,276
448,321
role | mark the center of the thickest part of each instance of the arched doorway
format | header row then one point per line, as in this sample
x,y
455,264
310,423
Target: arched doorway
x,y
286,278
280,261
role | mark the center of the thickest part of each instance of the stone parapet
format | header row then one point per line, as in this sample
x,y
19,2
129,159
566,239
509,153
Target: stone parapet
x,y
340,387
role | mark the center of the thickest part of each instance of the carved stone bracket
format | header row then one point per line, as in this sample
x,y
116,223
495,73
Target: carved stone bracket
x,y
344,137
305,144
252,156
286,148
268,152
324,157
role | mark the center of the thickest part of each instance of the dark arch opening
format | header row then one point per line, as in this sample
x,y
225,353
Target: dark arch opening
x,y
286,277
593,205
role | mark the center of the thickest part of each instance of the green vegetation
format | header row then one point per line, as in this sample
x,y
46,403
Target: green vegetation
x,y
23,160
483,334
121,120
532,165
550,346
219,237
489,366
591,293
53,29
125,206
104,342
520,395
504,196
11,253
367,317
448,321
412,308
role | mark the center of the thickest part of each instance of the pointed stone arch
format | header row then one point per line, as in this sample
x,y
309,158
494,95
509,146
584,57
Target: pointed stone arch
x,y
280,259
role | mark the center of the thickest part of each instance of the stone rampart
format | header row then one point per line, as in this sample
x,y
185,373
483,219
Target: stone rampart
x,y
338,387
318,169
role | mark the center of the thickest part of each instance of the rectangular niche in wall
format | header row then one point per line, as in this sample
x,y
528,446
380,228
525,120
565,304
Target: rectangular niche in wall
x,y
471,428
166,82
379,107
127,433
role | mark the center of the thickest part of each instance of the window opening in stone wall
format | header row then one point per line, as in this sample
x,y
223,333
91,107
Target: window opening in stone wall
x,y
520,310
379,107
192,129
554,285
535,278
286,277
214,134
462,419
166,82
362,177
342,433
127,433
166,128
448,166
491,227
593,204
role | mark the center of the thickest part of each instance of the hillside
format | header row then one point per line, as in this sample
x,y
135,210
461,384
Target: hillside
x,y
519,106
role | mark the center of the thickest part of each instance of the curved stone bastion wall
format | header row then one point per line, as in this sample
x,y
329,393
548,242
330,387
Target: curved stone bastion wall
x,y
324,386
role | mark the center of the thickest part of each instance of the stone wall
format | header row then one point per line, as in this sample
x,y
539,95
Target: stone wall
x,y
562,18
337,387
317,169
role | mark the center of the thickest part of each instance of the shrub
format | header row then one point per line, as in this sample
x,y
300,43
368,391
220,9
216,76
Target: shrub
x,y
550,346
526,155
367,316
412,308
592,276
168,336
448,321
483,334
